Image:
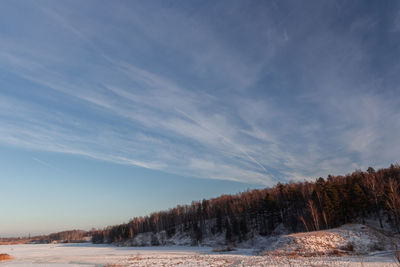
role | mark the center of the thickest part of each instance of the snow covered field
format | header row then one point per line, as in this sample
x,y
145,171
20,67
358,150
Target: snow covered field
x,y
67,255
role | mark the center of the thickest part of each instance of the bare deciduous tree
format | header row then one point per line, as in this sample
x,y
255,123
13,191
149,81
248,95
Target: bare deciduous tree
x,y
393,201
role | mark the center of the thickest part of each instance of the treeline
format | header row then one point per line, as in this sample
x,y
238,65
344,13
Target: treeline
x,y
13,240
301,206
70,236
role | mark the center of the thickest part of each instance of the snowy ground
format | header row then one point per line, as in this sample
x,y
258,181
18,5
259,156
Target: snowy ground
x,y
67,255
349,238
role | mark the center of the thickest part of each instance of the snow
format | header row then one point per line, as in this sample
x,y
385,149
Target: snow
x,y
369,248
348,239
67,255
180,238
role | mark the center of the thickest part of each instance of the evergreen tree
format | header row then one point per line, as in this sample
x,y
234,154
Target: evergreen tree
x,y
228,233
360,201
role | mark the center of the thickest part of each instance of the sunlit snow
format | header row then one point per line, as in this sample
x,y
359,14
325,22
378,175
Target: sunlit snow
x,y
67,255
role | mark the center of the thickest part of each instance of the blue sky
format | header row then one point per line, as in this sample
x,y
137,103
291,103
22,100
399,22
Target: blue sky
x,y
114,109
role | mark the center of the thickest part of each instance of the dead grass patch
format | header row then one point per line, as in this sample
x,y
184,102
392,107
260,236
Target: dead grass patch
x,y
135,258
5,257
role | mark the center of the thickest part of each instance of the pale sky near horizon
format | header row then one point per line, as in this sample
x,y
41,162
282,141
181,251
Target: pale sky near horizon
x,y
115,109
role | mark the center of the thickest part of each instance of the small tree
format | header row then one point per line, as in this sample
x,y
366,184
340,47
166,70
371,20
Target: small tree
x,y
243,228
312,209
228,233
360,202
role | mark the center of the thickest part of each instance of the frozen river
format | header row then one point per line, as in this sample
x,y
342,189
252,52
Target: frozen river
x,y
59,255
67,255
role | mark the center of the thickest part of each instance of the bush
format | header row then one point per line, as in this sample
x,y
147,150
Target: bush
x,y
4,257
154,240
348,247
226,248
377,247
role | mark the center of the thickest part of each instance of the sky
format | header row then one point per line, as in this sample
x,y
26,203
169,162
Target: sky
x,y
116,109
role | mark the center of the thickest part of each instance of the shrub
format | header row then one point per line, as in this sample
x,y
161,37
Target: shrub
x,y
4,257
348,247
224,248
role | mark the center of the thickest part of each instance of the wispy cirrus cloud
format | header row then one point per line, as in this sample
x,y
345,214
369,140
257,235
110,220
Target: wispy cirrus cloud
x,y
198,98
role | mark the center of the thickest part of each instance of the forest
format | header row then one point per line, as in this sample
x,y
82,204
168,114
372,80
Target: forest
x,y
299,206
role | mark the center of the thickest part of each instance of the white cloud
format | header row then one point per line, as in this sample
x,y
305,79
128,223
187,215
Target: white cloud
x,y
140,114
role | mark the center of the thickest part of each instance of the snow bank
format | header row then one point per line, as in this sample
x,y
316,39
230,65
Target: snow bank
x,y
347,239
158,239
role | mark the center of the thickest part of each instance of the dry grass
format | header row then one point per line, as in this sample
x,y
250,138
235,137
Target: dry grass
x,y
135,258
5,257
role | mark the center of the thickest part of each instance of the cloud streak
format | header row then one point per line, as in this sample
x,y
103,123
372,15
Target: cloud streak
x,y
254,102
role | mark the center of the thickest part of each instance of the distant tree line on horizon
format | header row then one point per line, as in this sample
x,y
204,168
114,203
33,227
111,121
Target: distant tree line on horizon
x,y
69,236
299,206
